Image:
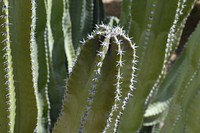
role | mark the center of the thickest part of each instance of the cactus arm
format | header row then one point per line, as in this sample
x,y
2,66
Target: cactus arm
x,y
188,88
58,57
75,10
43,70
20,36
51,84
191,89
77,90
162,98
153,33
173,38
126,15
110,85
99,60
160,103
176,122
67,31
179,79
57,68
98,12
104,96
107,63
119,95
35,67
167,87
81,13
87,17
147,40
7,92
124,82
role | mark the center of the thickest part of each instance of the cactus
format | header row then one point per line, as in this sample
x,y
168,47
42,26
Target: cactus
x,y
18,50
105,82
187,91
153,37
35,36
7,93
174,91
43,67
117,80
84,17
57,67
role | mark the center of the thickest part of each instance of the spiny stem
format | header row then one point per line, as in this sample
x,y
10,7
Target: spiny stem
x,y
118,91
105,55
131,90
97,73
67,32
168,50
7,91
48,76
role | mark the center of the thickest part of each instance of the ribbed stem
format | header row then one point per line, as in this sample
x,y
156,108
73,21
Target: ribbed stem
x,y
67,32
153,33
57,57
21,33
187,88
99,68
7,89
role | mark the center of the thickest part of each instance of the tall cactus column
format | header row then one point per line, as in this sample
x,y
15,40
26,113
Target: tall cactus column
x,y
7,94
156,31
17,31
105,68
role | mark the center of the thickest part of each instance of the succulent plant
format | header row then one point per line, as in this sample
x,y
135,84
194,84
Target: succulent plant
x,y
116,80
105,82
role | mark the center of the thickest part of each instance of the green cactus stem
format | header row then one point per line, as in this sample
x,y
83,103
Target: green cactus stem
x,y
7,89
187,90
20,35
98,12
67,31
43,68
57,58
83,17
105,69
153,30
